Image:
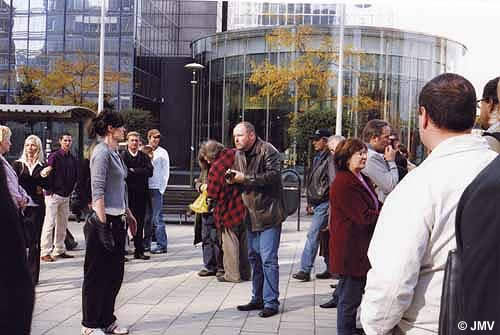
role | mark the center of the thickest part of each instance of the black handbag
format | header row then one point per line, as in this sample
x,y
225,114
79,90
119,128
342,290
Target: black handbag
x,y
451,297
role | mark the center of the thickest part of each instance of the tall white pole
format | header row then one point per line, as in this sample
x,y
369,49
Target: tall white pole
x,y
338,124
100,102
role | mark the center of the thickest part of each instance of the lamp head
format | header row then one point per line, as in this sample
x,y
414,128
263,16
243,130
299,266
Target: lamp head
x,y
194,67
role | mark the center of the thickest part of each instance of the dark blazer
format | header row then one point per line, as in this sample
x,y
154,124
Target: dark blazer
x,y
32,183
140,169
352,222
477,229
17,292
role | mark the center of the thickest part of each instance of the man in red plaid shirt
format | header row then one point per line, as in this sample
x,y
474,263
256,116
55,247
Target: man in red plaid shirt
x,y
229,212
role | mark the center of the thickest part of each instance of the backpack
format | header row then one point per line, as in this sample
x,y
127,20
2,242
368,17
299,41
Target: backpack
x,y
471,293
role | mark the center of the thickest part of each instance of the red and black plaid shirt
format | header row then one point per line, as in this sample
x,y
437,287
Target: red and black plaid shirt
x,y
229,208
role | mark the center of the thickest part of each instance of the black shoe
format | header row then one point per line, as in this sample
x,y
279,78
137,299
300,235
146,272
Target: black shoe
x,y
141,256
251,306
302,276
324,275
206,273
220,273
72,246
267,312
333,285
332,303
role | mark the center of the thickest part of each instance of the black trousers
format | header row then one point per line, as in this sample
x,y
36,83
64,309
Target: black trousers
x,y
212,248
33,222
137,204
102,275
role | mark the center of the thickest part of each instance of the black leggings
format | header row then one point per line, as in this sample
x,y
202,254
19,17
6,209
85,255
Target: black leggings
x,y
103,275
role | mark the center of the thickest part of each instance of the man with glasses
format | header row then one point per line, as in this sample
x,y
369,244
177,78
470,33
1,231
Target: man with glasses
x,y
157,185
318,188
489,118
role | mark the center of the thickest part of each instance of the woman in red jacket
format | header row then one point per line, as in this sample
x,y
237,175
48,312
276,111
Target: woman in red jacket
x,y
354,211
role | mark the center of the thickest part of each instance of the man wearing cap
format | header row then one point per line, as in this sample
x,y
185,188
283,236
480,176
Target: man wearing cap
x,y
157,185
318,187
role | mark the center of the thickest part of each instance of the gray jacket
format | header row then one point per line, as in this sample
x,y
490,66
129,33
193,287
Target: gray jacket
x,y
383,174
107,177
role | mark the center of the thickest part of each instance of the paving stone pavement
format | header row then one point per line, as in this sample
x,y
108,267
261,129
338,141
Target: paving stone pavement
x,y
166,296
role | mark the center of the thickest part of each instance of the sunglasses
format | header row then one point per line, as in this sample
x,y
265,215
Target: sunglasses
x,y
156,136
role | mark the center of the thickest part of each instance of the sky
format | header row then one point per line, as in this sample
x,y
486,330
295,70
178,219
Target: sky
x,y
474,23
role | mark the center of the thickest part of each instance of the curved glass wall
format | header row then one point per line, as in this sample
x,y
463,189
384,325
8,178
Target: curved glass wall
x,y
389,66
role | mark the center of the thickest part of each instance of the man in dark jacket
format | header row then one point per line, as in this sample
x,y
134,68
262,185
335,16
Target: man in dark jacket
x,y
477,230
318,187
258,171
139,170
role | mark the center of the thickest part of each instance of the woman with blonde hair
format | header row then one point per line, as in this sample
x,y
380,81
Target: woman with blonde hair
x,y
28,169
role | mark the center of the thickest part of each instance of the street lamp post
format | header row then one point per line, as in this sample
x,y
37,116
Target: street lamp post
x,y
194,67
100,101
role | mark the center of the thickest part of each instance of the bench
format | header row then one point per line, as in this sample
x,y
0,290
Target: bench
x,y
176,200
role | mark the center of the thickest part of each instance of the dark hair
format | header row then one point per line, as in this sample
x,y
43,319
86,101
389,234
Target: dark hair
x,y
344,151
373,128
64,134
99,125
450,102
490,91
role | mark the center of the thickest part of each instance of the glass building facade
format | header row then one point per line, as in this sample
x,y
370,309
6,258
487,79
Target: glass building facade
x,y
389,65
138,32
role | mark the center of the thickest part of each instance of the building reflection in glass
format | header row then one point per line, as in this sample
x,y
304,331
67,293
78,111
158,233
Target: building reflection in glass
x,y
40,32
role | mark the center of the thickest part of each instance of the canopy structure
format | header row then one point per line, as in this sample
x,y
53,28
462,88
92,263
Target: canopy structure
x,y
40,112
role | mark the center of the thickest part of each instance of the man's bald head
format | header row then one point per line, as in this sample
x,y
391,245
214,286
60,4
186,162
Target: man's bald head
x,y
244,136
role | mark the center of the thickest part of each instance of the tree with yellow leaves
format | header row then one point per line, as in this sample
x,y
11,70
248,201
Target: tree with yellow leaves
x,y
72,82
303,76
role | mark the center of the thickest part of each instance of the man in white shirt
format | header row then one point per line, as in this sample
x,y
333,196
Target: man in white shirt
x,y
157,185
380,165
416,227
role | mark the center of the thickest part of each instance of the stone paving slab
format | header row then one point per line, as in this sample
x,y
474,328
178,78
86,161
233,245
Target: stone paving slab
x,y
164,295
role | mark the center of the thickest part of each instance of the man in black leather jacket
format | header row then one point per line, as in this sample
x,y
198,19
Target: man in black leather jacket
x,y
318,187
258,171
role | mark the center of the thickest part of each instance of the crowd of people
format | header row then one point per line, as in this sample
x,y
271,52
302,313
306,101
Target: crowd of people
x,y
383,226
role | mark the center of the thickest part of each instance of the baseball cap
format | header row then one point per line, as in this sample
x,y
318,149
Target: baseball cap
x,y
320,133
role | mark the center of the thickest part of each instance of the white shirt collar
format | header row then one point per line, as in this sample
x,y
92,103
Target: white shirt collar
x,y
493,127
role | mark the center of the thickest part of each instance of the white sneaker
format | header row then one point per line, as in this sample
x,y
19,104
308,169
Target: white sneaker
x,y
92,331
115,329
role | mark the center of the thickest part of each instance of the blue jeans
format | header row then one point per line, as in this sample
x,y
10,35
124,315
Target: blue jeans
x,y
263,257
319,221
157,205
350,293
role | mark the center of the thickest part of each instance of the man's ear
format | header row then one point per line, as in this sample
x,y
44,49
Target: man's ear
x,y
424,117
